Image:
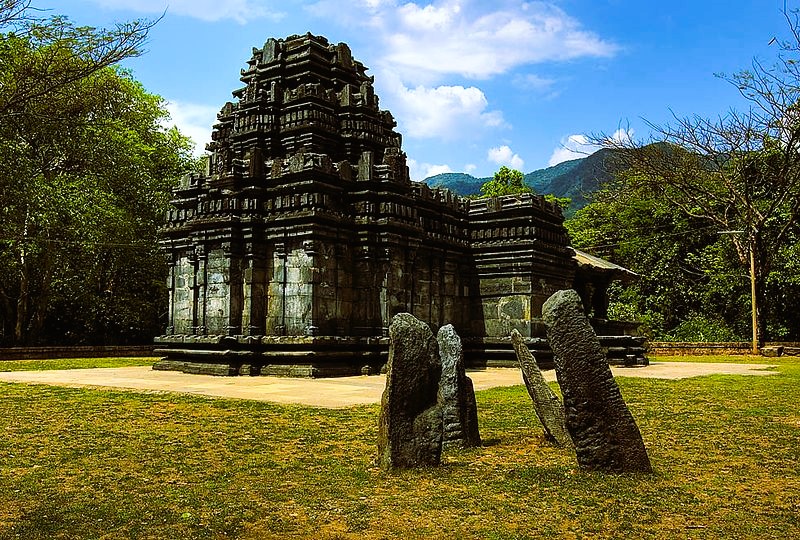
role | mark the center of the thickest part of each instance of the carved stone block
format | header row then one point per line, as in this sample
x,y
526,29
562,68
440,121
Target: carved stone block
x,y
548,407
605,434
460,411
410,424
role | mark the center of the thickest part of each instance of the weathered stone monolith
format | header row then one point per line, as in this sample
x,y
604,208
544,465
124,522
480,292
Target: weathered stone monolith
x,y
548,407
459,411
410,425
603,430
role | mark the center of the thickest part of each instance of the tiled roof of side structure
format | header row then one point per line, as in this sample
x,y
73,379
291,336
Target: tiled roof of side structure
x,y
596,263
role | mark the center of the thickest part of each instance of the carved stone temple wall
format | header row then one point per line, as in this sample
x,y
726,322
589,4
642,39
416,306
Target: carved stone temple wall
x,y
305,236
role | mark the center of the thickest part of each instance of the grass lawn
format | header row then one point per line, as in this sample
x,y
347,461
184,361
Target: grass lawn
x,y
74,363
78,463
728,359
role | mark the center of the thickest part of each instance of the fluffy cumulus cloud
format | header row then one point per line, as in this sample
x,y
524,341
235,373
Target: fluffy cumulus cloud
x,y
207,10
572,147
421,171
447,112
471,38
424,44
503,155
193,120
579,146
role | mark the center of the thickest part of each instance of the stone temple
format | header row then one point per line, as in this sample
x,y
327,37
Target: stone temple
x,y
305,236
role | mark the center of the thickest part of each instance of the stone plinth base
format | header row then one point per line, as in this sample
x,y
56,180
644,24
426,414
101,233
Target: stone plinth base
x,y
318,356
331,356
499,352
628,351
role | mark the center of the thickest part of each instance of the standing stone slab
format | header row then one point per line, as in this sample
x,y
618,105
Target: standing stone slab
x,y
410,425
603,430
460,411
546,404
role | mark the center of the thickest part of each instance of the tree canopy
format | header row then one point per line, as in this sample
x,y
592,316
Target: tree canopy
x,y
505,182
85,172
736,177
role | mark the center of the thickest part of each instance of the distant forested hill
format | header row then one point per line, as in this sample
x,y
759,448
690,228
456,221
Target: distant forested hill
x,y
576,179
460,183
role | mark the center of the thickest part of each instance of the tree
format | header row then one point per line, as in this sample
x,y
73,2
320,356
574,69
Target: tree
x,y
505,182
60,54
13,11
85,173
688,274
740,172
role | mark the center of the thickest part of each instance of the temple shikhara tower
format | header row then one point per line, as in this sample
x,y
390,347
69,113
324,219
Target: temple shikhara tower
x,y
305,236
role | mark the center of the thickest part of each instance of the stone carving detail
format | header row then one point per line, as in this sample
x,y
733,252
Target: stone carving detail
x,y
604,432
410,424
460,411
548,407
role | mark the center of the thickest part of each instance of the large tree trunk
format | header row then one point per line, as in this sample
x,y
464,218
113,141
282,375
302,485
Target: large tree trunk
x,y
758,272
762,267
22,305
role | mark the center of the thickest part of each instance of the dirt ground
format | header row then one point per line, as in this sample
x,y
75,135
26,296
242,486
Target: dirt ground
x,y
332,393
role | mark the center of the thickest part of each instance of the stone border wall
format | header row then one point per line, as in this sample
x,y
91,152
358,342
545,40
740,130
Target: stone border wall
x,y
680,348
46,353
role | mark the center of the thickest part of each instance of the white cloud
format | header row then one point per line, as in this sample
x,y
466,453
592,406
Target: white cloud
x,y
623,135
433,170
417,45
503,155
579,146
207,10
470,168
533,82
467,37
420,171
193,120
572,147
448,112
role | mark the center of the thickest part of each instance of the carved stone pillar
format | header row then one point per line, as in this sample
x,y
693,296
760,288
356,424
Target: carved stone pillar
x,y
200,277
183,295
276,292
254,293
308,296
170,329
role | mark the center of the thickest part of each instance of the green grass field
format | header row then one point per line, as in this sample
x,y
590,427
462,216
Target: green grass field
x,y
73,363
728,359
80,463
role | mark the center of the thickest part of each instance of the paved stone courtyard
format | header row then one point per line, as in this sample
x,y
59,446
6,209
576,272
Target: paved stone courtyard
x,y
330,392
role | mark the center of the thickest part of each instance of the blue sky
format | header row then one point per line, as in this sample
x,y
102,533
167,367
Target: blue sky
x,y
473,84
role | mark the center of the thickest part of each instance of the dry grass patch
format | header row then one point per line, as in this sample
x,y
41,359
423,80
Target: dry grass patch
x,y
727,359
74,363
80,463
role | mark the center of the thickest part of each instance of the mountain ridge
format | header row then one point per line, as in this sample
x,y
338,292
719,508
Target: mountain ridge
x,y
576,179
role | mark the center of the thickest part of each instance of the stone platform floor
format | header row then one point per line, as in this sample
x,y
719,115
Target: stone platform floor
x,y
330,393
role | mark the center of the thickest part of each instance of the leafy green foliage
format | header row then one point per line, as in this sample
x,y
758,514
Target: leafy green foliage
x,y
562,202
505,182
685,268
74,363
739,174
85,172
698,328
693,284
